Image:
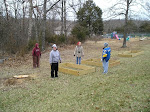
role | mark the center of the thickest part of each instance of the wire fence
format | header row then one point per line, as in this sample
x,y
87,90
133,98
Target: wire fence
x,y
132,35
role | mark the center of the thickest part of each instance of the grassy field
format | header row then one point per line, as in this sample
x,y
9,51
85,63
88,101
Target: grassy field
x,y
126,88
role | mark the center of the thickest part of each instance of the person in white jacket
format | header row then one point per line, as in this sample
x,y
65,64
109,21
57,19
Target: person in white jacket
x,y
54,59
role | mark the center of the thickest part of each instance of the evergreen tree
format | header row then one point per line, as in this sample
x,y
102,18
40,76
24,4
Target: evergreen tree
x,y
90,16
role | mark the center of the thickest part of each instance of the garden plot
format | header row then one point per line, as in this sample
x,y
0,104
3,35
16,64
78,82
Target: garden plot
x,y
97,62
18,79
74,69
132,53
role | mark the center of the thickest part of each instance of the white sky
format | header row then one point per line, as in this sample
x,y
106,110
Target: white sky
x,y
105,4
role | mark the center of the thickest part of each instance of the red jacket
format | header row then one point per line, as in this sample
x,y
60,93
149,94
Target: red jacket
x,y
36,50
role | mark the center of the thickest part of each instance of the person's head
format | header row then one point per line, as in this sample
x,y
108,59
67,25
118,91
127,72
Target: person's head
x,y
105,44
54,47
37,45
79,43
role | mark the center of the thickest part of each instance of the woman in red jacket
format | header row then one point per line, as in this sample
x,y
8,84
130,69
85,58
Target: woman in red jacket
x,y
36,53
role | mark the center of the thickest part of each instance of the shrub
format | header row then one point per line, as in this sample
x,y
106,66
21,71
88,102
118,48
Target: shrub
x,y
58,39
79,32
72,40
31,44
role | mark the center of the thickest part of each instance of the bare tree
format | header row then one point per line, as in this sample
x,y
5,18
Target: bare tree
x,y
23,17
122,8
146,6
65,16
30,20
44,20
62,17
6,8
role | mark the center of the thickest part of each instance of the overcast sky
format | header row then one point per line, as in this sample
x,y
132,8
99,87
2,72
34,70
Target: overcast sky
x,y
105,4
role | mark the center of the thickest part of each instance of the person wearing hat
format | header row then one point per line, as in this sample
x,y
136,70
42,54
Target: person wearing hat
x,y
54,59
105,57
78,53
36,54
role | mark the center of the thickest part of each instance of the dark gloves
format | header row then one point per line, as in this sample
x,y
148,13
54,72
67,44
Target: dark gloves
x,y
60,61
74,55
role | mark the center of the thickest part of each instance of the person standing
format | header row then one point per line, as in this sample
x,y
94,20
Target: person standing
x,y
78,53
105,57
54,59
36,54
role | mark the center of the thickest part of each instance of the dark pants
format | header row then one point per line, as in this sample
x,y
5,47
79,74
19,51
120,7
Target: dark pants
x,y
36,61
54,67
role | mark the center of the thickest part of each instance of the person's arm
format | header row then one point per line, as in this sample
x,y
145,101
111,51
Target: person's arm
x,y
82,52
40,53
33,51
59,57
104,53
75,51
50,58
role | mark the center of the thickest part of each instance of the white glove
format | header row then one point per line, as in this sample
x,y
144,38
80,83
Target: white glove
x,y
101,59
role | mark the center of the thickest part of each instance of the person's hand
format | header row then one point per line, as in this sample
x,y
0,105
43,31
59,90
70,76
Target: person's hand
x,y
74,55
101,59
50,64
60,61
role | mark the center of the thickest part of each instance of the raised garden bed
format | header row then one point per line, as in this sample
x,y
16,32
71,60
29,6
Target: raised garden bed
x,y
97,62
131,53
74,69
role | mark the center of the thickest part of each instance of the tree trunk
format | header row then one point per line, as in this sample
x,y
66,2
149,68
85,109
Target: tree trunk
x,y
30,20
6,8
126,25
62,18
23,21
65,27
44,26
36,26
80,4
36,30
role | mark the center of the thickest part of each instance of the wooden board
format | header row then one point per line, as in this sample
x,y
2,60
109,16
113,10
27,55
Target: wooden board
x,y
74,69
21,76
132,53
97,62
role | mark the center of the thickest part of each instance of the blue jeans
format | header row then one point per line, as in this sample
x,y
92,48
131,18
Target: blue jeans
x,y
78,60
105,66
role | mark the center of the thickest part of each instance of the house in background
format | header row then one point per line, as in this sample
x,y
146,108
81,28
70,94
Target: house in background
x,y
69,27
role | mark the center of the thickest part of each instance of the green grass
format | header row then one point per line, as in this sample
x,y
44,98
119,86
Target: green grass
x,y
126,88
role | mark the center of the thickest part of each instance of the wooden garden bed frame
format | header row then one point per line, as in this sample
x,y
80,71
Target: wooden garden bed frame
x,y
74,69
97,62
131,53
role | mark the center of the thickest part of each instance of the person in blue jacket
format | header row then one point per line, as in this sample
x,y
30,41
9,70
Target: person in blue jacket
x,y
105,57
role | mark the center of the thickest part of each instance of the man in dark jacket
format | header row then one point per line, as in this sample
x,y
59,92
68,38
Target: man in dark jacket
x,y
36,53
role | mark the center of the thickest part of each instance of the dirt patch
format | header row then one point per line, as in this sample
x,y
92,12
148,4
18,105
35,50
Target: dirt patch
x,y
15,80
